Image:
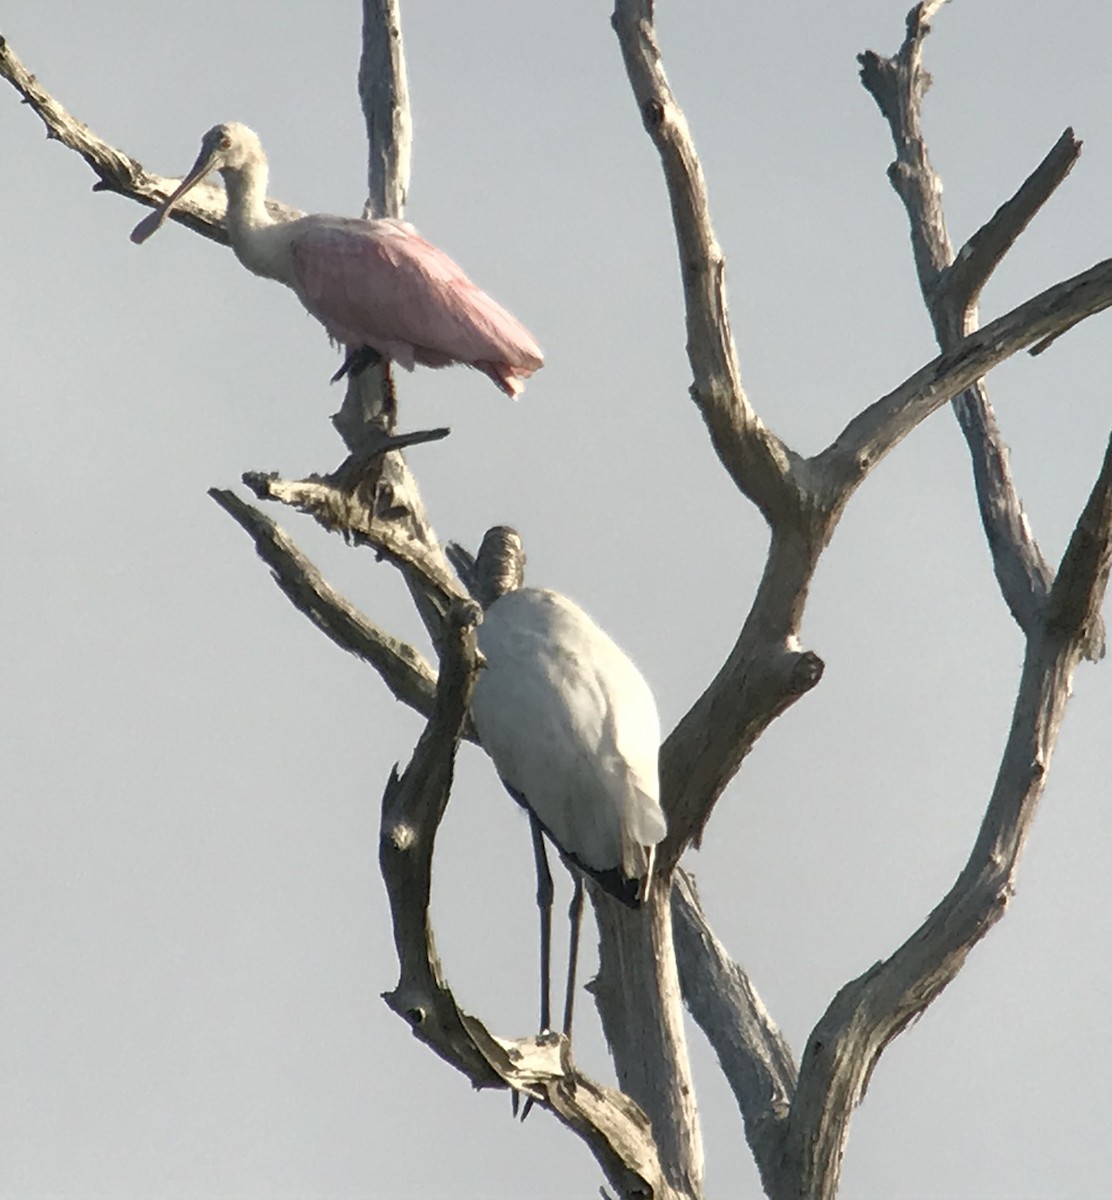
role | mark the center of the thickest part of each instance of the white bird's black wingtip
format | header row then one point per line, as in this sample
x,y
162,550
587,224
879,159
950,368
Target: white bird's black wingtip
x,y
631,892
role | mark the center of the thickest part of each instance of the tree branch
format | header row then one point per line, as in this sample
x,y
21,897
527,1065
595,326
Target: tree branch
x,y
358,513
612,1126
766,671
637,994
403,669
202,210
985,249
897,85
764,674
755,459
384,93
1073,609
951,286
754,1055
873,1009
885,423
370,402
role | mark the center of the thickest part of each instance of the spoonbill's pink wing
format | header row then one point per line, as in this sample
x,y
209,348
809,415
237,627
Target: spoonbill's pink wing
x,y
378,283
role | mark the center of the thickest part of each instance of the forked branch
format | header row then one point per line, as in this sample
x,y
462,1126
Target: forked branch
x,y
403,669
803,501
877,429
797,1127
951,285
356,513
873,1009
1061,623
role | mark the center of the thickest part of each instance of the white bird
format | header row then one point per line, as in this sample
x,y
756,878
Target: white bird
x,y
573,731
376,286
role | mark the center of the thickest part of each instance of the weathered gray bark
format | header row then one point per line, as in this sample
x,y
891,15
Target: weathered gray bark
x,y
797,1124
754,1055
647,1138
384,95
637,992
951,287
370,408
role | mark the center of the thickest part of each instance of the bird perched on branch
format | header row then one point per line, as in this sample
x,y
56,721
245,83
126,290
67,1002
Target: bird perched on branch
x,y
377,287
573,731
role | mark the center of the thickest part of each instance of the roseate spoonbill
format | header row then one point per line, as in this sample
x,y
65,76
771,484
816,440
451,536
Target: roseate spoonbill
x,y
573,731
377,287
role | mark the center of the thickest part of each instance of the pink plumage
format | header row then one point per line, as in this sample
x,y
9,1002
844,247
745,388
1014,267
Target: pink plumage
x,y
375,284
380,284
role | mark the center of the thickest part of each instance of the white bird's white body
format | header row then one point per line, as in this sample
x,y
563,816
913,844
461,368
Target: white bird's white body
x,y
572,726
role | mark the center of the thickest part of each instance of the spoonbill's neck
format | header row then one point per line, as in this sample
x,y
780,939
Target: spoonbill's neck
x,y
246,188
250,226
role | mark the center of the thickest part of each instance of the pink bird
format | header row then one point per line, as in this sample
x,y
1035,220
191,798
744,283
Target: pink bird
x,y
377,287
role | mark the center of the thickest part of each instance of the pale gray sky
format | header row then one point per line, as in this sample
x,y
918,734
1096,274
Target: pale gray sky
x,y
192,928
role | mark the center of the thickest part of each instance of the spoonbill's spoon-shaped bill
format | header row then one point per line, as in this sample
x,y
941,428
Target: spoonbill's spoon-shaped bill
x,y
373,284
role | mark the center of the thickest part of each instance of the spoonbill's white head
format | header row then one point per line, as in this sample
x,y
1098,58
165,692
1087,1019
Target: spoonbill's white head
x,y
227,148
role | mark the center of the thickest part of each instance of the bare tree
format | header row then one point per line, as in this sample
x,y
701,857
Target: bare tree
x,y
646,1137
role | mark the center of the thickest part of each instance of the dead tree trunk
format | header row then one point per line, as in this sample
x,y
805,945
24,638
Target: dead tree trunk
x,y
647,1137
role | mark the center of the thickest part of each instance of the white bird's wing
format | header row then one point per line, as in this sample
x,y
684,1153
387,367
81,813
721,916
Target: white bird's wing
x,y
570,724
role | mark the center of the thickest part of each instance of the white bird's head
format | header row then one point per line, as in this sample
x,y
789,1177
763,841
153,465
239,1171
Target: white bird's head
x,y
227,148
500,564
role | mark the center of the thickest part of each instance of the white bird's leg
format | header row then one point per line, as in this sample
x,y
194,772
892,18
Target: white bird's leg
x,y
575,920
544,903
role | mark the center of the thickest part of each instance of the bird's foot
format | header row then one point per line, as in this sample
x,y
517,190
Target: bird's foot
x,y
546,1037
357,361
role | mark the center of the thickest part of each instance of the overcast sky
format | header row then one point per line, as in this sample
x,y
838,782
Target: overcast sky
x,y
193,932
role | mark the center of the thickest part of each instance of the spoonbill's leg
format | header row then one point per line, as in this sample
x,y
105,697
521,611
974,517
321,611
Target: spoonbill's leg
x,y
357,360
575,920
